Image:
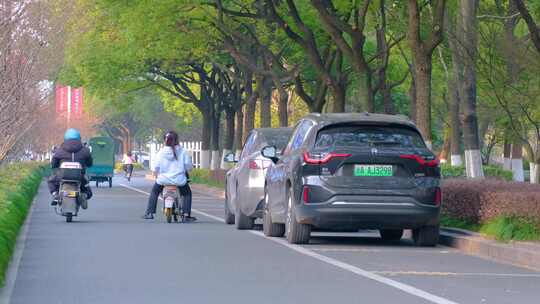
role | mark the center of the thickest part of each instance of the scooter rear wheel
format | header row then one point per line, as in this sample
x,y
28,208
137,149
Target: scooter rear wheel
x,y
168,214
69,217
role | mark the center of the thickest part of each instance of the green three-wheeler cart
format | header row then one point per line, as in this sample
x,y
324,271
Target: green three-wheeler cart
x,y
102,149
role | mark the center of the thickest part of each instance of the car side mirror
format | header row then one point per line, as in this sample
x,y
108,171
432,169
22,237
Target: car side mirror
x,y
270,152
229,158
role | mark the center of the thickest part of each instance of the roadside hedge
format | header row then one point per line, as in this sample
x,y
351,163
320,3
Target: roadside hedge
x,y
480,201
494,172
18,186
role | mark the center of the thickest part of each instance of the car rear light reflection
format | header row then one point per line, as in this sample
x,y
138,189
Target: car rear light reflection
x,y
323,159
420,160
305,194
438,196
257,164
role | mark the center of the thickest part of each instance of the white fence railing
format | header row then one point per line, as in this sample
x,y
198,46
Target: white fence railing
x,y
194,148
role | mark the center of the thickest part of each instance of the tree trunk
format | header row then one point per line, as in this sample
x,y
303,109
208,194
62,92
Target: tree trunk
x,y
216,125
239,130
412,98
517,161
507,155
266,102
445,151
229,136
473,158
283,108
455,97
422,70
455,127
535,172
249,119
206,137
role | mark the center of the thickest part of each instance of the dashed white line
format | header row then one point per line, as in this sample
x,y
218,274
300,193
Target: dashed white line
x,y
348,267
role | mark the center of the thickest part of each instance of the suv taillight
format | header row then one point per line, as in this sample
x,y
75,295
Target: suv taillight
x,y
323,158
420,160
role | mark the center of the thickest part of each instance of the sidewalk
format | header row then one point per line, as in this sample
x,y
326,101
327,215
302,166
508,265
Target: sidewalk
x,y
523,254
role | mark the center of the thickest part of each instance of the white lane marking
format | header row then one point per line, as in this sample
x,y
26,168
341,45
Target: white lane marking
x,y
356,270
192,209
13,270
479,274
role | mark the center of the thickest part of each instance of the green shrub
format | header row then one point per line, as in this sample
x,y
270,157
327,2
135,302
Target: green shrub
x,y
447,171
506,228
18,185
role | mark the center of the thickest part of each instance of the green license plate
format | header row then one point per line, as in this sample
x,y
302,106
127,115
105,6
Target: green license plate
x,y
373,170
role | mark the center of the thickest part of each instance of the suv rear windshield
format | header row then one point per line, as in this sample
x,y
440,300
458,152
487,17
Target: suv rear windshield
x,y
367,136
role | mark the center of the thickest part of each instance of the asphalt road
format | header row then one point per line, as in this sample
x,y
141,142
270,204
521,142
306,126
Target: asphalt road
x,y
110,255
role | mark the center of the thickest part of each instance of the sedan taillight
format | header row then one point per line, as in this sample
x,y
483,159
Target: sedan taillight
x,y
257,164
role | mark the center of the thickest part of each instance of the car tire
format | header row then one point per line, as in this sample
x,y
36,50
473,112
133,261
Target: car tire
x,y
391,234
427,236
229,216
242,221
296,233
270,228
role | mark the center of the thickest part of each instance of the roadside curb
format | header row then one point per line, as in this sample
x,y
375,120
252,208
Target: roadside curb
x,y
520,254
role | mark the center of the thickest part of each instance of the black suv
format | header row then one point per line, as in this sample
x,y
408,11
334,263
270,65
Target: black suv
x,y
345,172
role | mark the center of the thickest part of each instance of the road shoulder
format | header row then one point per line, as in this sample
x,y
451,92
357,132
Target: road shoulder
x,y
522,254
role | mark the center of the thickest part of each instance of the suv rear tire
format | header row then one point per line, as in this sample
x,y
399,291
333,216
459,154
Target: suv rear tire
x,y
391,234
427,236
296,233
270,228
243,222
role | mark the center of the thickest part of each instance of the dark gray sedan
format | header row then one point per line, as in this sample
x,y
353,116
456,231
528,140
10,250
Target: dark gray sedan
x,y
346,172
244,189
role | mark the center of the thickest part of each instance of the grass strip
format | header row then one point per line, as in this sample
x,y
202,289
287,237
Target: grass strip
x,y
203,176
18,186
502,228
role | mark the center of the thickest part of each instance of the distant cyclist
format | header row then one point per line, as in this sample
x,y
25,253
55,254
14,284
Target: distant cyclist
x,y
172,166
127,163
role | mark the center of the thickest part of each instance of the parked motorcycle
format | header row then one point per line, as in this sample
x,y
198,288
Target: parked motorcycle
x,y
70,196
173,205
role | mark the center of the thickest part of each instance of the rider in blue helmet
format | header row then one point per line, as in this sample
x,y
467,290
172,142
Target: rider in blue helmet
x,y
71,149
72,134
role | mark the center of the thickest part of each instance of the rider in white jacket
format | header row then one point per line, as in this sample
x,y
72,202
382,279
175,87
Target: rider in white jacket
x,y
171,167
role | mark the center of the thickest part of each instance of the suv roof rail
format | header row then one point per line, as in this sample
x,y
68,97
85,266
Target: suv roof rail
x,y
405,117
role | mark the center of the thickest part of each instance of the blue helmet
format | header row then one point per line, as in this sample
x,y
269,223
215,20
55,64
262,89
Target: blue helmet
x,y
72,134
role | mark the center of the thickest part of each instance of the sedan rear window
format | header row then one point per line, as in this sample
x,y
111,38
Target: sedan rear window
x,y
277,138
368,136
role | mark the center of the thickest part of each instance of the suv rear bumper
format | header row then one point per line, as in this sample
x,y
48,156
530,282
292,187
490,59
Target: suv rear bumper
x,y
368,212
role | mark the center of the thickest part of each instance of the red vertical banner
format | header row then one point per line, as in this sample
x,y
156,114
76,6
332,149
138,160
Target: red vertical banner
x,y
61,97
76,102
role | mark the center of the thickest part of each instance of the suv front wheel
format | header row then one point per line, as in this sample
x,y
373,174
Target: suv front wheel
x,y
296,233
